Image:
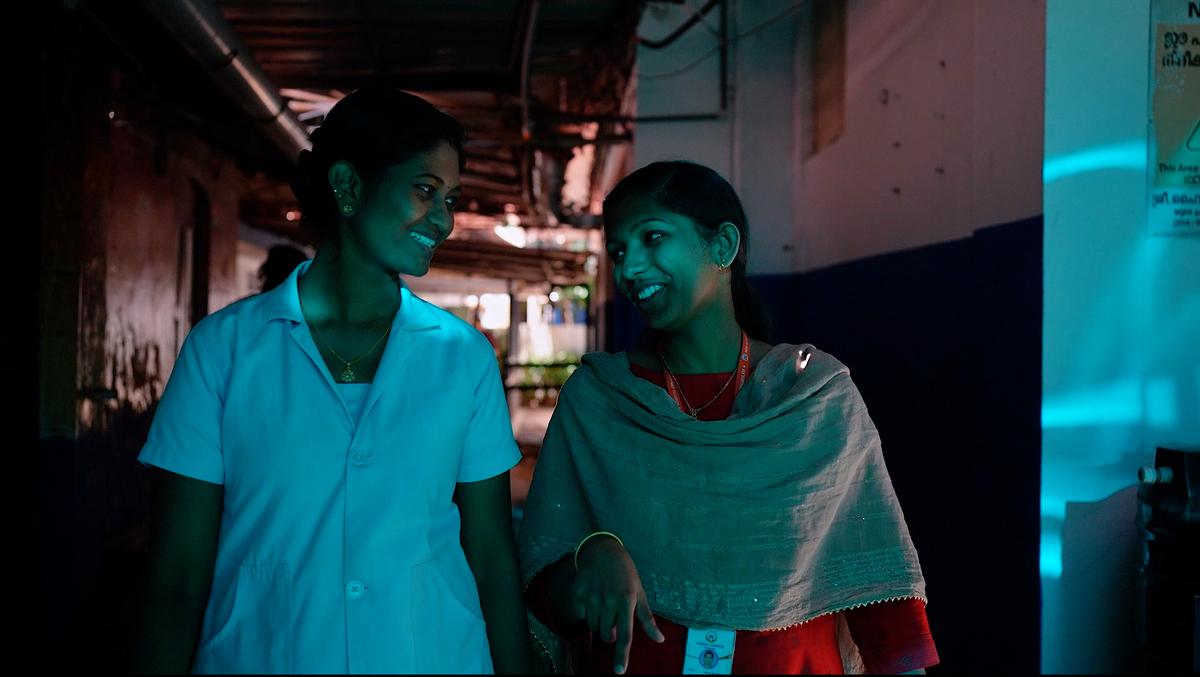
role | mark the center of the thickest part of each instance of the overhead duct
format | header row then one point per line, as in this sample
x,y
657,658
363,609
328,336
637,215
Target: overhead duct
x,y
199,26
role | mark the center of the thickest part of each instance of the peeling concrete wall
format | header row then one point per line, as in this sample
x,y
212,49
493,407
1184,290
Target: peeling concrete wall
x,y
122,175
121,189
149,196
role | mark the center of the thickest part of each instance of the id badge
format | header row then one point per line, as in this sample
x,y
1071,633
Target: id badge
x,y
709,652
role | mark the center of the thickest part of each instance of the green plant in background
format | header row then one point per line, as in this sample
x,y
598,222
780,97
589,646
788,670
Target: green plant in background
x,y
552,372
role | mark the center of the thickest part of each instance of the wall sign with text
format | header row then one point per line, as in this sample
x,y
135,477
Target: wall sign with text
x,y
1174,138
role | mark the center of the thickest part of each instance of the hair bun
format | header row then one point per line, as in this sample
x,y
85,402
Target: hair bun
x,y
371,128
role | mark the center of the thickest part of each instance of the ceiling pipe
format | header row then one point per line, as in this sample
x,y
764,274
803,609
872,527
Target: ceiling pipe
x,y
526,132
200,27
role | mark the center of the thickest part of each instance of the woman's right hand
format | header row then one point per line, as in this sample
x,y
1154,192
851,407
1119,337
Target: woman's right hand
x,y
608,595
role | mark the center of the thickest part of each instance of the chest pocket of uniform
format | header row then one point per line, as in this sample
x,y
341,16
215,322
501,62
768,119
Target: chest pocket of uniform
x,y
254,624
449,635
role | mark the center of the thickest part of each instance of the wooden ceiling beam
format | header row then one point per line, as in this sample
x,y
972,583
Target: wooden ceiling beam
x,y
491,168
305,76
502,186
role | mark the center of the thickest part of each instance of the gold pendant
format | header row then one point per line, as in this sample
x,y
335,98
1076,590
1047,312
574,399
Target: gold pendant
x,y
347,375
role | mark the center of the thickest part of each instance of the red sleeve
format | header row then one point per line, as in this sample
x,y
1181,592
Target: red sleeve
x,y
537,597
893,637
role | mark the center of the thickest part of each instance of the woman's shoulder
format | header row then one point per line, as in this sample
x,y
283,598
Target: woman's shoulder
x,y
796,358
223,328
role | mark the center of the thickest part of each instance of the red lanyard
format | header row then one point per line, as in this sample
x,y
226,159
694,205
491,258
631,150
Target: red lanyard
x,y
739,377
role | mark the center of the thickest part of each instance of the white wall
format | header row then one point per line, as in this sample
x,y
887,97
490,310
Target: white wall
x,y
942,135
1121,325
752,145
959,136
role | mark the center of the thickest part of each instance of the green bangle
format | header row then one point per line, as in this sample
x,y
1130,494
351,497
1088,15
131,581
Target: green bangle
x,y
589,537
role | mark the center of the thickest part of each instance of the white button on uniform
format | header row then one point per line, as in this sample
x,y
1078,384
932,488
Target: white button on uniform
x,y
355,589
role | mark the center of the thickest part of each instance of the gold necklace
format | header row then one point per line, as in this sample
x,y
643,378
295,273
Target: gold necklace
x,y
347,374
694,411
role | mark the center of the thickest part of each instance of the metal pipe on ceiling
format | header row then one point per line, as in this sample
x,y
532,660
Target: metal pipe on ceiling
x,y
724,67
526,133
201,28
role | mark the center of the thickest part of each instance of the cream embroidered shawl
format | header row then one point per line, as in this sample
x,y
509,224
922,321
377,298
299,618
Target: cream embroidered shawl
x,y
781,513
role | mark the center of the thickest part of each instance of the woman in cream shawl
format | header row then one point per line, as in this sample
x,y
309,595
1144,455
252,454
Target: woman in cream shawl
x,y
707,482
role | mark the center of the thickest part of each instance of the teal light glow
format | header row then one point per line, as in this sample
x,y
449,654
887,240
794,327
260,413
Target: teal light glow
x,y
1121,403
1124,155
1197,380
1162,409
1117,403
1050,555
1054,506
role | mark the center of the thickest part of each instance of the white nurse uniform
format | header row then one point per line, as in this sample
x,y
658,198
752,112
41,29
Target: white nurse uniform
x,y
339,543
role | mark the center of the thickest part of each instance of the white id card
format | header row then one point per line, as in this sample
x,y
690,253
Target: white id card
x,y
709,652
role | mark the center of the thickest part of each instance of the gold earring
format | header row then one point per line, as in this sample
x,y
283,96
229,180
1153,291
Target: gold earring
x,y
347,209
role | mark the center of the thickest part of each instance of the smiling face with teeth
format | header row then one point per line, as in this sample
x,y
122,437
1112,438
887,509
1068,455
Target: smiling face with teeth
x,y
407,211
663,264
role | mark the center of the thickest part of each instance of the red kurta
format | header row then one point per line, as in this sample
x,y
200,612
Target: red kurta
x,y
891,636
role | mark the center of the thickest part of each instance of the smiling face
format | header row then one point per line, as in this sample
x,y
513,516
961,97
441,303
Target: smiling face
x,y
662,263
407,211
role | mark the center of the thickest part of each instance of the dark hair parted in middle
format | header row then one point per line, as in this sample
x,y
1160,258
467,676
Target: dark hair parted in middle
x,y
705,197
372,129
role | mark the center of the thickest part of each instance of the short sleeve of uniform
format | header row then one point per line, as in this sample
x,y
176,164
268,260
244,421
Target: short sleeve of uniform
x,y
185,436
489,448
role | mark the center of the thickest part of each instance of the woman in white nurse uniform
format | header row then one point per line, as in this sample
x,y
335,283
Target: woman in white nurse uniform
x,y
333,455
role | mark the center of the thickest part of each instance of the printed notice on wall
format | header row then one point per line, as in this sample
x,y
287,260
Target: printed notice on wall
x,y
1174,139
